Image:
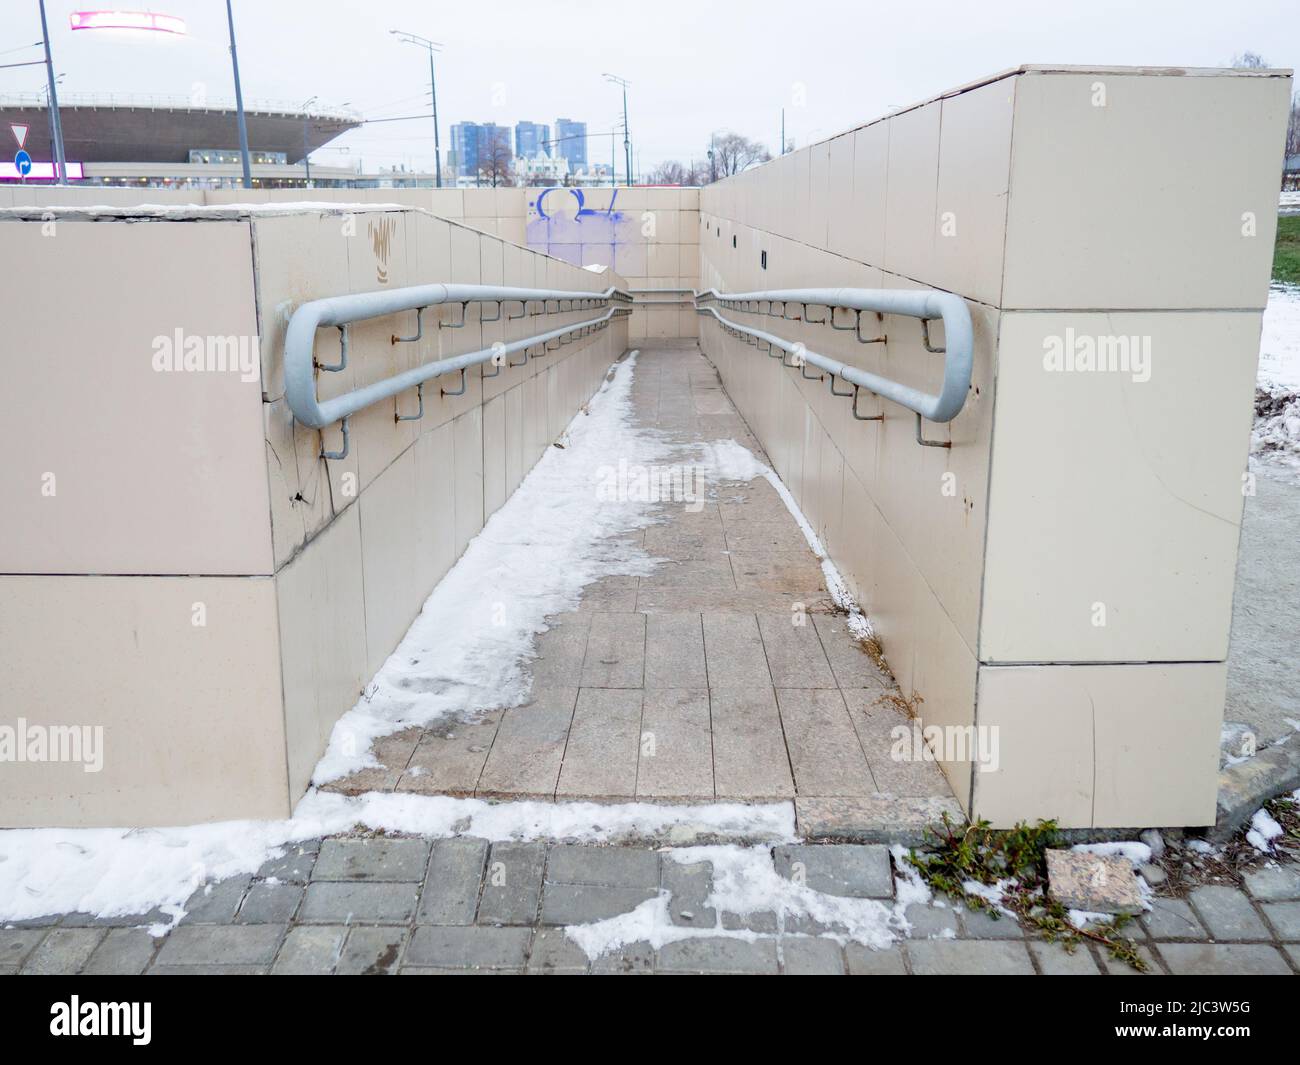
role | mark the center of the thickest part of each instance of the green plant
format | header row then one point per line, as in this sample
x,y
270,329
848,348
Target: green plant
x,y
1016,862
1286,251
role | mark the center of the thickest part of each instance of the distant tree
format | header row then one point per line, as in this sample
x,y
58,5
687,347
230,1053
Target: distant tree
x,y
673,172
734,154
1249,61
496,162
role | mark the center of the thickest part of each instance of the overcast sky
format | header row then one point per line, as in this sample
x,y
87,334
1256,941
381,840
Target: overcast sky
x,y
694,65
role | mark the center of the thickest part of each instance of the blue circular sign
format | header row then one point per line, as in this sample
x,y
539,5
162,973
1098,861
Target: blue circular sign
x,y
23,162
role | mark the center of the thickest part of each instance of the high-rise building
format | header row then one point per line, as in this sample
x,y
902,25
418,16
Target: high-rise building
x,y
532,138
571,142
471,145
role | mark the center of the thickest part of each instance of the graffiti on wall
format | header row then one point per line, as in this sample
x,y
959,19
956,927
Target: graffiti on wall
x,y
584,227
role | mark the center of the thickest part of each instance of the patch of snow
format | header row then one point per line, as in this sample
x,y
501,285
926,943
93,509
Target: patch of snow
x,y
745,881
1201,846
1137,853
1279,342
467,652
113,872
1263,830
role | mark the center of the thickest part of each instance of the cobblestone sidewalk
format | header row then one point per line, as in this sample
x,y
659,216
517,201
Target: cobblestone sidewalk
x,y
378,905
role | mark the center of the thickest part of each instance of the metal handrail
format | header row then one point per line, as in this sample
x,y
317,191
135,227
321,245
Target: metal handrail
x,y
928,306
341,311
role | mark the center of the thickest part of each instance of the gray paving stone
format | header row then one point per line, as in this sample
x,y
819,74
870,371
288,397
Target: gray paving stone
x,y
674,656
733,651
560,650
931,922
372,859
609,866
852,666
718,954
633,958
1279,882
565,904
690,886
123,951
981,924
1285,919
1222,959
207,970
130,920
453,947
1293,952
750,759
216,902
1172,919
975,957
863,961
294,866
64,951
765,923
600,759
794,652
252,944
310,950
1228,914
512,886
342,902
17,943
615,651
676,755
806,956
554,952
451,889
270,903
1054,960
371,951
824,750
859,871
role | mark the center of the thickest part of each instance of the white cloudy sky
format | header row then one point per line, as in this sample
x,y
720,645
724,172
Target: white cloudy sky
x,y
694,65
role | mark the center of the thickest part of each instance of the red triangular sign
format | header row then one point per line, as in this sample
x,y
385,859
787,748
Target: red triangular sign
x,y
19,131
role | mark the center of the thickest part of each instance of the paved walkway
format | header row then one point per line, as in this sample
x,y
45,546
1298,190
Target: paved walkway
x,y
378,905
724,675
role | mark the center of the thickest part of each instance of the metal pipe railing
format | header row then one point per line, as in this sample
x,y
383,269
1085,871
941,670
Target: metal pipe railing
x,y
927,306
341,311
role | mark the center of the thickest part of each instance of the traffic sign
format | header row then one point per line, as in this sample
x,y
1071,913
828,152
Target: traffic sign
x,y
23,163
20,133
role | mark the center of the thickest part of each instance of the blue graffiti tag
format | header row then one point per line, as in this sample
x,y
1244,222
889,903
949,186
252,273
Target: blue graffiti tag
x,y
577,195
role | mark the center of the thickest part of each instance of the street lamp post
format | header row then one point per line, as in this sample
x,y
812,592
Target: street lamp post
x,y
56,124
627,136
306,156
431,46
239,101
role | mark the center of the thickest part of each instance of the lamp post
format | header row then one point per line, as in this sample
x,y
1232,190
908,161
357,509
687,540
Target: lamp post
x,y
431,46
239,101
627,141
306,156
56,124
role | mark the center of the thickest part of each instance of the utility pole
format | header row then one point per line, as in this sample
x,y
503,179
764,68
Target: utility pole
x,y
306,156
627,135
239,98
56,123
431,47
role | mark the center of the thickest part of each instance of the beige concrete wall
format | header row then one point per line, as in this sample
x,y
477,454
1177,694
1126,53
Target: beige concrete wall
x,y
1048,199
649,235
177,563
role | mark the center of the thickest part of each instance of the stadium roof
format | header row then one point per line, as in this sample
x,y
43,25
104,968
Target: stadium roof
x,y
157,129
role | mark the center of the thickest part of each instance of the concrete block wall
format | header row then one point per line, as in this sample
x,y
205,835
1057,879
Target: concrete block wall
x,y
178,565
650,235
1063,574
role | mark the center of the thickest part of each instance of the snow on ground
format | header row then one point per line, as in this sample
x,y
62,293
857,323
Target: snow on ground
x,y
114,872
468,650
746,882
1277,391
